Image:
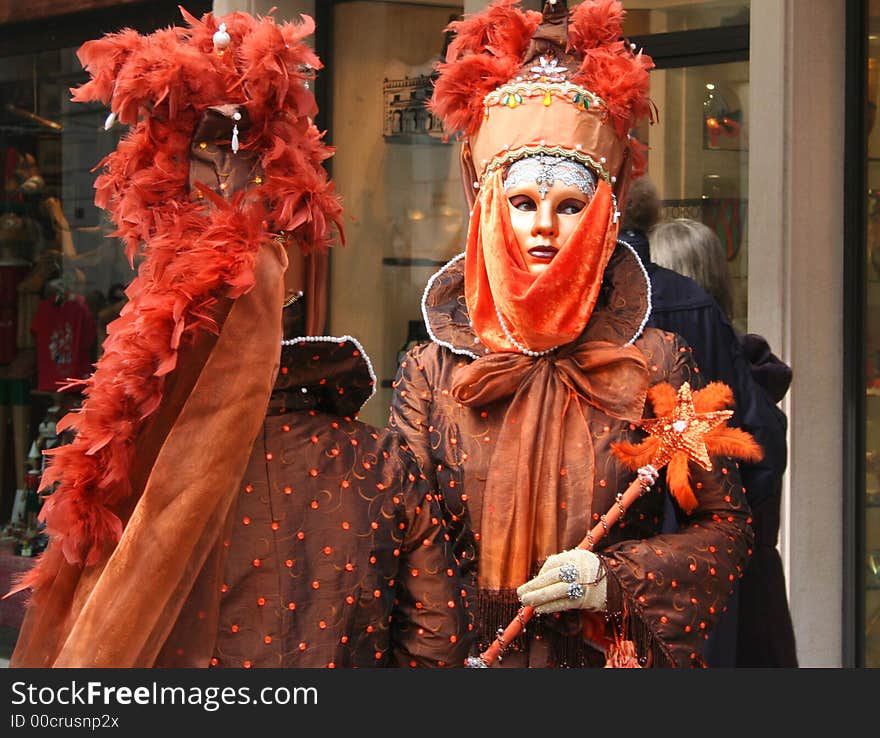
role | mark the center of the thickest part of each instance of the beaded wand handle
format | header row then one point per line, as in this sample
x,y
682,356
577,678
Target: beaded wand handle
x,y
647,475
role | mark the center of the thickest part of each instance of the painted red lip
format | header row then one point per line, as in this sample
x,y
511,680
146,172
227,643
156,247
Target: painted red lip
x,y
543,252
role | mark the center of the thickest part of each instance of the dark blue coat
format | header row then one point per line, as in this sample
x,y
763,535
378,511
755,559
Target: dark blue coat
x,y
757,630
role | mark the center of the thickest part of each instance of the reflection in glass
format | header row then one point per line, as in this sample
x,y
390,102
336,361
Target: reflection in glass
x,y
698,157
872,351
650,16
400,182
57,267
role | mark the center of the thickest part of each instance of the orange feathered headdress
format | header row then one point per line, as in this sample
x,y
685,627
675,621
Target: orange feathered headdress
x,y
161,83
518,83
195,251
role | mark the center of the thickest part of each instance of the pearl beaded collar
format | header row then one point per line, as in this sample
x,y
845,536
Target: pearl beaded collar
x,y
519,347
337,340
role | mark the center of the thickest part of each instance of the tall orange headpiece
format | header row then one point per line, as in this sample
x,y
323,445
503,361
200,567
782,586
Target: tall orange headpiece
x,y
560,86
519,83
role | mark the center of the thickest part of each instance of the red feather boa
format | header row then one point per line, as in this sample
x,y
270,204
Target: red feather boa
x,y
193,251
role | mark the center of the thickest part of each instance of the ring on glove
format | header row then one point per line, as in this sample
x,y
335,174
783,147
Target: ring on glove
x,y
648,476
570,580
575,591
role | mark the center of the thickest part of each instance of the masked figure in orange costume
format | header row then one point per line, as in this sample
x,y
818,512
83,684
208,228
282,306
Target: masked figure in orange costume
x,y
219,504
539,359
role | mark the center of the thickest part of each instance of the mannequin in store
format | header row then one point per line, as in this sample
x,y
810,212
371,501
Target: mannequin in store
x,y
273,527
49,235
47,225
14,243
64,331
34,237
16,361
539,362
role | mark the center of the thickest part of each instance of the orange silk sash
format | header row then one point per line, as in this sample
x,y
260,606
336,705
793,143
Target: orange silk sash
x,y
538,495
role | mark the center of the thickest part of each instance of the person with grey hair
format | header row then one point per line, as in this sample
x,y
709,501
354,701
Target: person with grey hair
x,y
691,295
691,248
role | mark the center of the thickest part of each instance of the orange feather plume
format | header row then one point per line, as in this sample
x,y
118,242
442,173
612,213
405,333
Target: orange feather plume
x,y
488,51
662,398
688,427
678,479
714,396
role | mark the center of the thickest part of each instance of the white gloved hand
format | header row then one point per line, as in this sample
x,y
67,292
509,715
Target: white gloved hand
x,y
571,580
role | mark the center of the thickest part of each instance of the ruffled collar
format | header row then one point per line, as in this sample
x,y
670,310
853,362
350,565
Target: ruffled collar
x,y
620,315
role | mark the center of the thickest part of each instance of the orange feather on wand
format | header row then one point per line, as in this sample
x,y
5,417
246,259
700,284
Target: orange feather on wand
x,y
691,426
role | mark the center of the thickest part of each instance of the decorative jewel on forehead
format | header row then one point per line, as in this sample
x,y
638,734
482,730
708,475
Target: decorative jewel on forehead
x,y
545,170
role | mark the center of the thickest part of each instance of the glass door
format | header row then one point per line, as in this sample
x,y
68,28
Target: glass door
x,y
399,180
698,157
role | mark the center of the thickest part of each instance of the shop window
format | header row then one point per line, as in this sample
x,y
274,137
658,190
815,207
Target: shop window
x,y
399,178
57,261
698,158
650,16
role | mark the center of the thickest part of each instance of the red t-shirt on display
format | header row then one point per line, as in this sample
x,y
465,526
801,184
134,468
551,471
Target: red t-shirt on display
x,y
65,334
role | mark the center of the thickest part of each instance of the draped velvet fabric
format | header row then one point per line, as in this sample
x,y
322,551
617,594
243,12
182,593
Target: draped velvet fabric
x,y
543,311
336,554
120,612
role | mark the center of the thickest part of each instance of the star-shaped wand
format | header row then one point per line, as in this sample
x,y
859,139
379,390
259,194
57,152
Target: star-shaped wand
x,y
688,426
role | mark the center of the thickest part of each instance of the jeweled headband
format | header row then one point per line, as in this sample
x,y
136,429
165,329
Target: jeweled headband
x,y
546,170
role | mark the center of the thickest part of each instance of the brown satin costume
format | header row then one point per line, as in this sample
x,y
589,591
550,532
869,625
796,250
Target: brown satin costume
x,y
518,434
668,589
337,556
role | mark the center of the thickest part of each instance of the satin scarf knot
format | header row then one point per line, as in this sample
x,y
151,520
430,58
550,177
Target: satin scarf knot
x,y
538,495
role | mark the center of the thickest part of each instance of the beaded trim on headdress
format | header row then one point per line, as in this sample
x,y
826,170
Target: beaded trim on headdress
x,y
511,95
541,149
547,82
507,70
545,170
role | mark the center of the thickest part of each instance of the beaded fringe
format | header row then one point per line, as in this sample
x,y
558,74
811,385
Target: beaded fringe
x,y
562,632
564,636
627,625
